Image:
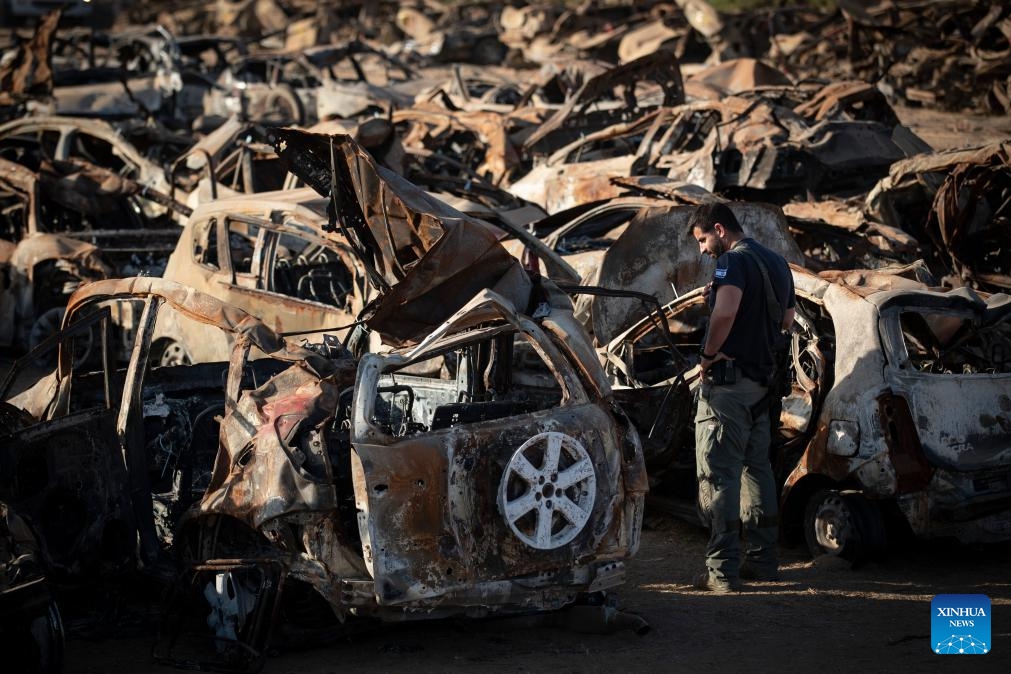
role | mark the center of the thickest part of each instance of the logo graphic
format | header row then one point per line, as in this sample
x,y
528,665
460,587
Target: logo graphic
x,y
960,624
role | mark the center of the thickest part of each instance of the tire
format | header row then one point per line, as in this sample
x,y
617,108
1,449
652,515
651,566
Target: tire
x,y
282,108
843,524
48,324
169,353
47,631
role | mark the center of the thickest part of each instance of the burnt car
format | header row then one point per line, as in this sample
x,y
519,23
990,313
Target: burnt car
x,y
310,85
32,140
68,223
31,629
416,487
773,142
98,453
895,419
476,465
269,255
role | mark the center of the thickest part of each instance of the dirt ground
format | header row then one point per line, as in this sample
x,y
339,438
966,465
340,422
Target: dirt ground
x,y
821,616
945,130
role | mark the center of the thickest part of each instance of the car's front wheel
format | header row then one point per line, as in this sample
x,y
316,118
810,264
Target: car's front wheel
x,y
843,524
169,353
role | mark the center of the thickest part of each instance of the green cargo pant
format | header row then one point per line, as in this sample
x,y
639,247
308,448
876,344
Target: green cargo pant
x,y
735,476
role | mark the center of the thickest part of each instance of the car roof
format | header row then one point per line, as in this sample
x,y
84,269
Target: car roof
x,y
302,201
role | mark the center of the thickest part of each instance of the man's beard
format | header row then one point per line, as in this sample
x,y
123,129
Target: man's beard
x,y
721,248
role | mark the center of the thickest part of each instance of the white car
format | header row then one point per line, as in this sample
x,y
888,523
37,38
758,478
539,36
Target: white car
x,y
899,412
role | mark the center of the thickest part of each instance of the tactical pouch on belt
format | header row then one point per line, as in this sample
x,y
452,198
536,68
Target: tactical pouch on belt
x,y
723,372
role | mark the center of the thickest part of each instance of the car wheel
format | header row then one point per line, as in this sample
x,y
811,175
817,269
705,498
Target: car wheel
x,y
48,324
47,632
843,524
171,354
282,107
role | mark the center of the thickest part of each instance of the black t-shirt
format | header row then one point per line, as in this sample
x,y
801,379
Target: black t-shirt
x,y
753,332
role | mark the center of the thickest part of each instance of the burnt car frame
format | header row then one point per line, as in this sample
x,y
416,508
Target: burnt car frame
x,y
31,140
474,465
99,453
267,254
894,421
68,223
308,86
483,471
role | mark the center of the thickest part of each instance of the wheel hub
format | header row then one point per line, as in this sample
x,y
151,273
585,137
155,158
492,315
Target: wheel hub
x,y
547,491
833,524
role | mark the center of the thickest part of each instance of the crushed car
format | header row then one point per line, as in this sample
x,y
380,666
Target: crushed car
x,y
307,86
66,223
32,140
771,143
954,204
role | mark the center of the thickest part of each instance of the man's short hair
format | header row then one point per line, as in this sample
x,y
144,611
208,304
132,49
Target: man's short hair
x,y
707,216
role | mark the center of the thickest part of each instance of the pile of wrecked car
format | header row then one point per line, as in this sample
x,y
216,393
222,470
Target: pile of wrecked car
x,y
358,314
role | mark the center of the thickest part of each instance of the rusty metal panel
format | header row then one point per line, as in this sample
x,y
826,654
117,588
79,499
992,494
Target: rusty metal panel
x,y
29,73
670,263
425,258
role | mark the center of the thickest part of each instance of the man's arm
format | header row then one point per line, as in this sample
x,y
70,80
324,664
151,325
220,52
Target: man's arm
x,y
787,319
728,301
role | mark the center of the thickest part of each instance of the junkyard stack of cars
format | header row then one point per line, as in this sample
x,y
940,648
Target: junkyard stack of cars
x,y
329,314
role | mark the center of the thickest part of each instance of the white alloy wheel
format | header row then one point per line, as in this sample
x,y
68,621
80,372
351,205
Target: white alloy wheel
x,y
547,491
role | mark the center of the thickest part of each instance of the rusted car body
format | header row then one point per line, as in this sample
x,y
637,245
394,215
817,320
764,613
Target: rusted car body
x,y
98,453
913,418
894,417
270,255
418,488
758,142
308,86
657,255
478,467
30,140
954,203
462,33
66,223
137,72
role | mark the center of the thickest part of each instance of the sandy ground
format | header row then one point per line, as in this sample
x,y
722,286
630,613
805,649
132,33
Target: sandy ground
x,y
822,616
946,130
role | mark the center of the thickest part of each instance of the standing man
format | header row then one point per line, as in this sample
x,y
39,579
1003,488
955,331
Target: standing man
x,y
751,301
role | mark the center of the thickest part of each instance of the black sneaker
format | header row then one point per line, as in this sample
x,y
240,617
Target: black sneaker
x,y
749,572
706,581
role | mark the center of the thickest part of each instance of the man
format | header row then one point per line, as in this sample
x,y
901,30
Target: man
x,y
732,431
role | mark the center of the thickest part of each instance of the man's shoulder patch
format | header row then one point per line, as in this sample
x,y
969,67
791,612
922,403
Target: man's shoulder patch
x,y
720,273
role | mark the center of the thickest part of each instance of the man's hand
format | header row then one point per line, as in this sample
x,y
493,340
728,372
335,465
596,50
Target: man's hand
x,y
728,301
707,363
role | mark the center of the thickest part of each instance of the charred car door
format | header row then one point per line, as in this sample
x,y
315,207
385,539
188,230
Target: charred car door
x,y
56,465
